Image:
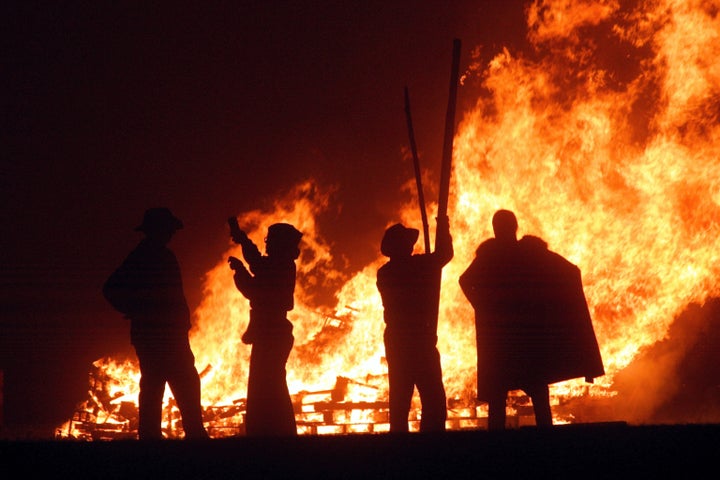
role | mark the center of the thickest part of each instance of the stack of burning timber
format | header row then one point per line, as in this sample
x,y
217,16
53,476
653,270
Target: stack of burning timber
x,y
326,412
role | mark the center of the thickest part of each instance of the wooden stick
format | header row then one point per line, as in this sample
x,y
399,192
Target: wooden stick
x,y
446,166
418,178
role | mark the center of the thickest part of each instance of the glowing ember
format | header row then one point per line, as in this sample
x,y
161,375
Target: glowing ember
x,y
613,163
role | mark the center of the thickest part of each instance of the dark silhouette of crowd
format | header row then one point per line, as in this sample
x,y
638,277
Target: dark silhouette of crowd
x,y
532,323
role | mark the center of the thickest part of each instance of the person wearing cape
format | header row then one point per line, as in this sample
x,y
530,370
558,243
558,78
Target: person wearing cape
x,y
532,322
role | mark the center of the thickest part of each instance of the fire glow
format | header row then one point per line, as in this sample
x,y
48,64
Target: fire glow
x,y
613,163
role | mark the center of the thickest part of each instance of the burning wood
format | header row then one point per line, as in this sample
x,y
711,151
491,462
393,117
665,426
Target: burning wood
x,y
107,416
609,153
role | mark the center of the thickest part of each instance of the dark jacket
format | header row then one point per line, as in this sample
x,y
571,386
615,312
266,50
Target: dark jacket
x,y
270,287
147,288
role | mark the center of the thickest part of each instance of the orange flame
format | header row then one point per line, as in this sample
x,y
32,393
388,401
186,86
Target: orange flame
x,y
621,177
223,313
613,163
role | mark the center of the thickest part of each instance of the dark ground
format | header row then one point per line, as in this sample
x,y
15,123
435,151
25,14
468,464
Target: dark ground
x,y
611,450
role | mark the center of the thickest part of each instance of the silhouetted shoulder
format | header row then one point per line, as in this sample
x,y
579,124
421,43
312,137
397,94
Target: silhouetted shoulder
x,y
552,262
486,246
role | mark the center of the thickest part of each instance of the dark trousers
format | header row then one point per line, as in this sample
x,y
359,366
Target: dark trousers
x,y
540,396
415,362
269,407
170,361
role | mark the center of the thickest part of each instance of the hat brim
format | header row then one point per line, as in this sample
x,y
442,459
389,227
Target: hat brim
x,y
398,239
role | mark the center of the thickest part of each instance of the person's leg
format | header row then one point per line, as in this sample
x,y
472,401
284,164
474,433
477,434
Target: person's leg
x,y
496,411
286,413
152,389
269,407
432,393
540,395
256,389
401,385
184,382
279,415
401,392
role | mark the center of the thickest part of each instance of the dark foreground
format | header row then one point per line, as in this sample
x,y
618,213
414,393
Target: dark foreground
x,y
612,450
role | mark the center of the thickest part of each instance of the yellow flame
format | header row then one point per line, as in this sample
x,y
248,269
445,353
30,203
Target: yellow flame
x,y
618,175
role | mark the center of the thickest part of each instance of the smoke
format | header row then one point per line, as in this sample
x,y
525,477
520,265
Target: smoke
x,y
676,380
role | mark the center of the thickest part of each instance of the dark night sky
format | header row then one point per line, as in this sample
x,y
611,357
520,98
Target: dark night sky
x,y
211,109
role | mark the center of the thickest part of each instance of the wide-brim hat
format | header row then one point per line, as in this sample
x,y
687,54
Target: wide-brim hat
x,y
398,239
159,219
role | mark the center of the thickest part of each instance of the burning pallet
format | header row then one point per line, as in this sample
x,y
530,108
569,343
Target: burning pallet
x,y
108,417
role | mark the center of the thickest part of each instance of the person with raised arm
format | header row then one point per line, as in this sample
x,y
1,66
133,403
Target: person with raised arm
x,y
409,286
269,284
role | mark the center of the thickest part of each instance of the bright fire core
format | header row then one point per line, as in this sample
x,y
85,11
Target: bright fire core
x,y
602,138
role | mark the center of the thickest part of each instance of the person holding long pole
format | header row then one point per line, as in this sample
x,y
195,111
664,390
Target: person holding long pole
x,y
410,289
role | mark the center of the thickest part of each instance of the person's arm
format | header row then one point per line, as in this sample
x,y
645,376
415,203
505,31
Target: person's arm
x,y
127,288
243,279
444,250
250,251
119,291
468,283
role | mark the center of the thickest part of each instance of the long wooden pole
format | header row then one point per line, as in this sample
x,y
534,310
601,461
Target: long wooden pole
x,y
418,177
446,166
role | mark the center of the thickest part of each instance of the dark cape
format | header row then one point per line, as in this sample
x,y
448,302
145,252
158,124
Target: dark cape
x,y
532,321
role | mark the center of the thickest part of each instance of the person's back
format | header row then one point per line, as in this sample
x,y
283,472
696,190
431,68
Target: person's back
x,y
531,320
494,280
560,332
408,286
153,288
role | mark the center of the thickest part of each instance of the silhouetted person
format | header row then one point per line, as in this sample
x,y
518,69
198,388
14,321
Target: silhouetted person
x,y
409,286
532,323
147,288
270,286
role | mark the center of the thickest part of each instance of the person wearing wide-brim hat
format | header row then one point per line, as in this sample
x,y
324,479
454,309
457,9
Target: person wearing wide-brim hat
x,y
159,219
399,240
147,288
408,285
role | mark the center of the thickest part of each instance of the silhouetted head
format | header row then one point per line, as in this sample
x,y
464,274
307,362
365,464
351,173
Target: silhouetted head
x,y
283,240
505,225
159,223
398,241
